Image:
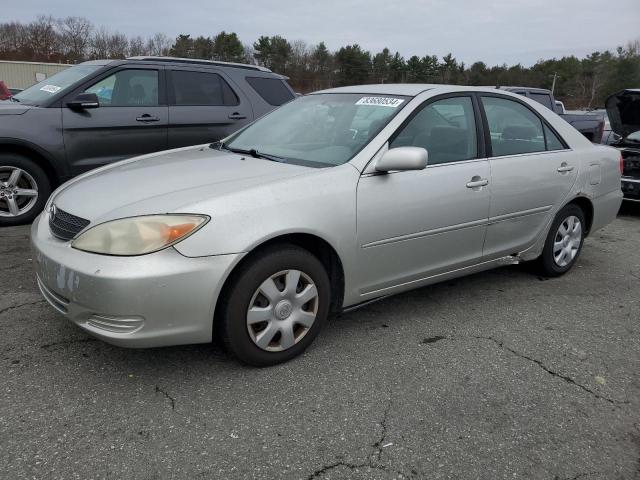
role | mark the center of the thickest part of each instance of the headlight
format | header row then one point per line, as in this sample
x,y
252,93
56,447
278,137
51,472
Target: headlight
x,y
138,235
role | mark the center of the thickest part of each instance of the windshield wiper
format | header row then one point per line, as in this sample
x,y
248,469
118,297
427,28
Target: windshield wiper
x,y
219,145
255,153
14,99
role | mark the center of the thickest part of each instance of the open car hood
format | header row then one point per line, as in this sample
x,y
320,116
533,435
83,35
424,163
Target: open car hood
x,y
623,109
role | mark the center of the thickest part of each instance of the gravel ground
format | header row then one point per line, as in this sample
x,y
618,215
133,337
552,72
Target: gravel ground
x,y
497,375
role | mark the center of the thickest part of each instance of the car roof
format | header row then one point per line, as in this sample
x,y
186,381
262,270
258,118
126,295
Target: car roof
x,y
527,89
405,89
182,61
98,62
198,61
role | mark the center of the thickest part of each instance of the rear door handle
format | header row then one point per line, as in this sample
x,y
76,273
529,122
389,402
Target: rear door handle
x,y
237,116
477,182
565,168
147,118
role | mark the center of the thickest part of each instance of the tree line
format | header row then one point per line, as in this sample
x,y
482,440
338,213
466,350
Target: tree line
x,y
579,82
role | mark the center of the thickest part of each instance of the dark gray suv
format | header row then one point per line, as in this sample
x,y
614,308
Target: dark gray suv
x,y
103,111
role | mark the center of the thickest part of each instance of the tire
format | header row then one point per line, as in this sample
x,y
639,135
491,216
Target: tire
x,y
18,203
263,336
552,262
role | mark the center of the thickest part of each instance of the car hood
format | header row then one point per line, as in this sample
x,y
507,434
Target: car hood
x,y
623,109
9,107
168,182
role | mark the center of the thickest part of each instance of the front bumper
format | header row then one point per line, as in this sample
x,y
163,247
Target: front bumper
x,y
159,299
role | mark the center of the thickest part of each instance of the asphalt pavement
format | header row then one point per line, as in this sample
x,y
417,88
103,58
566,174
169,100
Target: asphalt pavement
x,y
500,375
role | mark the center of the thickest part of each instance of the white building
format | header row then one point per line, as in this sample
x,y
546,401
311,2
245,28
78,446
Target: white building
x,y
17,74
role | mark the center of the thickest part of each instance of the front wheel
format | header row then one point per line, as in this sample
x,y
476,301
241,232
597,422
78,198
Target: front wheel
x,y
24,189
564,242
277,303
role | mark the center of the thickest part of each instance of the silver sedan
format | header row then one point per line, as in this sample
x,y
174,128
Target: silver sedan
x,y
334,200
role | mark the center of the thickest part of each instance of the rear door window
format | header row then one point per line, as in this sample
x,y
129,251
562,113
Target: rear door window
x,y
200,88
272,90
513,127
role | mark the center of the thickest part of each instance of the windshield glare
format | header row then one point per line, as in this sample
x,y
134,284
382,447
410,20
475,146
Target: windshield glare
x,y
319,130
43,91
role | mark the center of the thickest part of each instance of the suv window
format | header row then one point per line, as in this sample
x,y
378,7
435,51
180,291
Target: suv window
x,y
514,128
272,90
127,88
200,88
446,128
543,98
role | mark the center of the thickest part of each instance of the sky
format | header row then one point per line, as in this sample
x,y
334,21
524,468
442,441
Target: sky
x,y
493,31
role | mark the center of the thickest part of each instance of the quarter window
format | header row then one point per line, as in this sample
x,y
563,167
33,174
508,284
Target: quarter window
x,y
513,127
127,88
201,88
553,142
272,90
446,128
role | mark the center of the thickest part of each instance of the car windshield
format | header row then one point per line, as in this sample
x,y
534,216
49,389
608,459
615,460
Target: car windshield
x,y
44,90
321,130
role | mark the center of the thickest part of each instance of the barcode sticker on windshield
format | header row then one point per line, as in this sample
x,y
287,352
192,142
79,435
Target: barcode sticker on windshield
x,y
50,88
380,101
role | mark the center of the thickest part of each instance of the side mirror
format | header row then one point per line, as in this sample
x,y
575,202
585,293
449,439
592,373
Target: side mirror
x,y
83,101
403,158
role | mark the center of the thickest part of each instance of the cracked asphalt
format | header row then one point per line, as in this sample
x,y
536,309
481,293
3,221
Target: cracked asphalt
x,y
497,375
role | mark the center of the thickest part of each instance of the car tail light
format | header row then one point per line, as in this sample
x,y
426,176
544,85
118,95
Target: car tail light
x,y
621,164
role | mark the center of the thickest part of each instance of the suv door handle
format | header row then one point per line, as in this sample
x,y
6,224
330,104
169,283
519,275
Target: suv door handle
x,y
237,116
476,182
564,167
147,118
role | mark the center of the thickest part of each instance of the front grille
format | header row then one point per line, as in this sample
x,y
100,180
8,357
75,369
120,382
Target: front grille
x,y
64,225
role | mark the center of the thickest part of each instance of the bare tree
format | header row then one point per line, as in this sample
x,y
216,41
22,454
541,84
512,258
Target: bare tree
x,y
100,43
137,47
118,45
76,36
42,38
249,54
159,45
12,40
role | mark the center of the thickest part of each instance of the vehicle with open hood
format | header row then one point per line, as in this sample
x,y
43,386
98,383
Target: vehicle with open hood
x,y
623,110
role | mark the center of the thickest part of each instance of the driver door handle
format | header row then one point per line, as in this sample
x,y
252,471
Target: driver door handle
x,y
237,116
147,118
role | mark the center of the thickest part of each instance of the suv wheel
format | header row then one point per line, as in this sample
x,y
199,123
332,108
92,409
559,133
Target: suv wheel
x,y
564,242
276,305
24,189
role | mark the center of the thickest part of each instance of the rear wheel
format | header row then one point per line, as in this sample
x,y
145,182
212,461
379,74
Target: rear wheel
x,y
564,242
276,305
24,189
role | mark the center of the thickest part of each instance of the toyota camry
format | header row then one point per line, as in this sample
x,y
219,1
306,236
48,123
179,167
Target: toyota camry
x,y
336,199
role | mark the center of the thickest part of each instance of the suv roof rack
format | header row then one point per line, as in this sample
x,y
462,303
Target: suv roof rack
x,y
200,62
